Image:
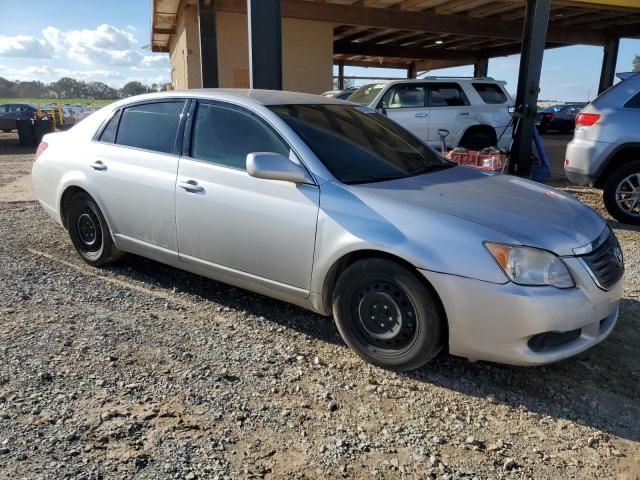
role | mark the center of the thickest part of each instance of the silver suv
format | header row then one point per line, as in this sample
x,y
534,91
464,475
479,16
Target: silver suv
x,y
475,111
605,150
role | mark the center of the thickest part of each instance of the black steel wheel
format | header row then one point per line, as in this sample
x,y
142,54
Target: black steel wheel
x,y
387,315
89,231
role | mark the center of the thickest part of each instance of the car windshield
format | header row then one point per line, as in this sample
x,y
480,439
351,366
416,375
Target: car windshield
x,y
358,145
553,108
367,93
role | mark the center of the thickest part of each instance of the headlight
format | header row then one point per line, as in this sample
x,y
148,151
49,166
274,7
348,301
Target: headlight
x,y
531,266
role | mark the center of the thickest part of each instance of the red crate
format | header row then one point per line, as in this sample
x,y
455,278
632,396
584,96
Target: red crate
x,y
494,162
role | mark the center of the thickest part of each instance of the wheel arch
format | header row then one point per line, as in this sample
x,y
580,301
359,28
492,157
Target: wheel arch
x,y
70,189
348,259
479,128
623,154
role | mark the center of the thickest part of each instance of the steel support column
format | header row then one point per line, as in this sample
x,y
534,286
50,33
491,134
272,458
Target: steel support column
x,y
533,41
609,60
481,68
265,44
411,70
341,75
208,44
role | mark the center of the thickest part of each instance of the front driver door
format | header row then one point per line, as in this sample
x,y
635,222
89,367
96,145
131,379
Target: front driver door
x,y
405,104
230,222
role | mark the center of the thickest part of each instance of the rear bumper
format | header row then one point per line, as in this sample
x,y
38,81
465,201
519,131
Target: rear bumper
x,y
583,160
503,322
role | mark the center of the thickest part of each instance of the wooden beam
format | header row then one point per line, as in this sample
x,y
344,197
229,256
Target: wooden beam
x,y
164,31
457,6
374,50
404,20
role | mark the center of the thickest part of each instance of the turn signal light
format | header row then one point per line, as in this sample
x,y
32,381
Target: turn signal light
x,y
42,146
587,119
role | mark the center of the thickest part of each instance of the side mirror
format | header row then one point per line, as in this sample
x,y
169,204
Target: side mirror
x,y
273,166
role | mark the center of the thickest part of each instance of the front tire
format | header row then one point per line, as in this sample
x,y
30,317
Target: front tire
x,y
622,194
387,315
89,231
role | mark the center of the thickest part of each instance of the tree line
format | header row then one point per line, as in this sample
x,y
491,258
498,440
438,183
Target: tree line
x,y
68,87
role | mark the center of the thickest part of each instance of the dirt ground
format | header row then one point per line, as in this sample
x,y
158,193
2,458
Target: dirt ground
x,y
143,371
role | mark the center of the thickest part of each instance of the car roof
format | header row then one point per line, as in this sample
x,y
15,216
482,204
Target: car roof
x,y
251,96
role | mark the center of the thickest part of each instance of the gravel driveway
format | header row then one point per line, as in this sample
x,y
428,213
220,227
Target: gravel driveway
x,y
143,371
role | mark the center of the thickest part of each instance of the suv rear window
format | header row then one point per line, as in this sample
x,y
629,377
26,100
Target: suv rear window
x,y
152,126
490,92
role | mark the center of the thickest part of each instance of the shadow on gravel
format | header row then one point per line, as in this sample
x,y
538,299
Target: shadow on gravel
x,y
9,145
599,388
226,296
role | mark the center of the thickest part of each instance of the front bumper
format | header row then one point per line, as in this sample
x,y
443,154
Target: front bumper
x,y
496,322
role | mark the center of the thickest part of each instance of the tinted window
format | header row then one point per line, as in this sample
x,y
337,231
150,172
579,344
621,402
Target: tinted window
x,y
226,135
404,96
634,102
152,126
490,92
447,95
108,135
359,147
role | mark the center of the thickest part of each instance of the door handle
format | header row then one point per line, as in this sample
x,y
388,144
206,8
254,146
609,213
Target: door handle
x,y
98,165
191,186
422,115
464,114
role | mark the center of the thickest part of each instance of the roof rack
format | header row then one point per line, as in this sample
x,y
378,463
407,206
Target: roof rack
x,y
438,77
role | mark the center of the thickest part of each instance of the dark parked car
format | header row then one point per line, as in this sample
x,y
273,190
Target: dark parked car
x,y
559,117
10,112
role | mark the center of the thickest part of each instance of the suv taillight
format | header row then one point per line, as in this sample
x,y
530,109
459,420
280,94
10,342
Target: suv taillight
x,y
586,119
42,146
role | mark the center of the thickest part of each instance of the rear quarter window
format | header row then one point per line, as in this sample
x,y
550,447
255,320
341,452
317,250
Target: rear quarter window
x,y
150,126
490,92
634,102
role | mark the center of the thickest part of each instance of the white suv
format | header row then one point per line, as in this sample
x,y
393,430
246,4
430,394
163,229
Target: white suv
x,y
475,111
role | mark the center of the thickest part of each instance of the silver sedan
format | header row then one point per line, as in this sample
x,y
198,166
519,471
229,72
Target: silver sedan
x,y
335,208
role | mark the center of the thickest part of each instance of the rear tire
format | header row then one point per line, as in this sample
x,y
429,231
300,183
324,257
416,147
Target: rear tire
x,y
476,141
387,315
89,231
622,193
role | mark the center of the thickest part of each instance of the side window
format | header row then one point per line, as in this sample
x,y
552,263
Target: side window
x,y
151,126
634,102
447,95
405,96
490,92
226,135
108,135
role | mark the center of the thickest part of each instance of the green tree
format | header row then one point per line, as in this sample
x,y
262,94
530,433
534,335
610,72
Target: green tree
x,y
133,88
101,91
68,87
636,63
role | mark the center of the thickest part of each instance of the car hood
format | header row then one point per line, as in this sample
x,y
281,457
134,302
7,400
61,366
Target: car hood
x,y
532,213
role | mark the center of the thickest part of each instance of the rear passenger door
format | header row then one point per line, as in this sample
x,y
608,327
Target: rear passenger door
x,y
133,167
406,105
449,109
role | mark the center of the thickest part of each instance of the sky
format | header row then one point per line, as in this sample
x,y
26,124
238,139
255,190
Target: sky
x,y
107,41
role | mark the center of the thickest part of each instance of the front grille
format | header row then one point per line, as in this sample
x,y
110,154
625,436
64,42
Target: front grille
x,y
605,262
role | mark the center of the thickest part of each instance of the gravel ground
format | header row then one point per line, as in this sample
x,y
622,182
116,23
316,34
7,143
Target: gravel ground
x,y
142,371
